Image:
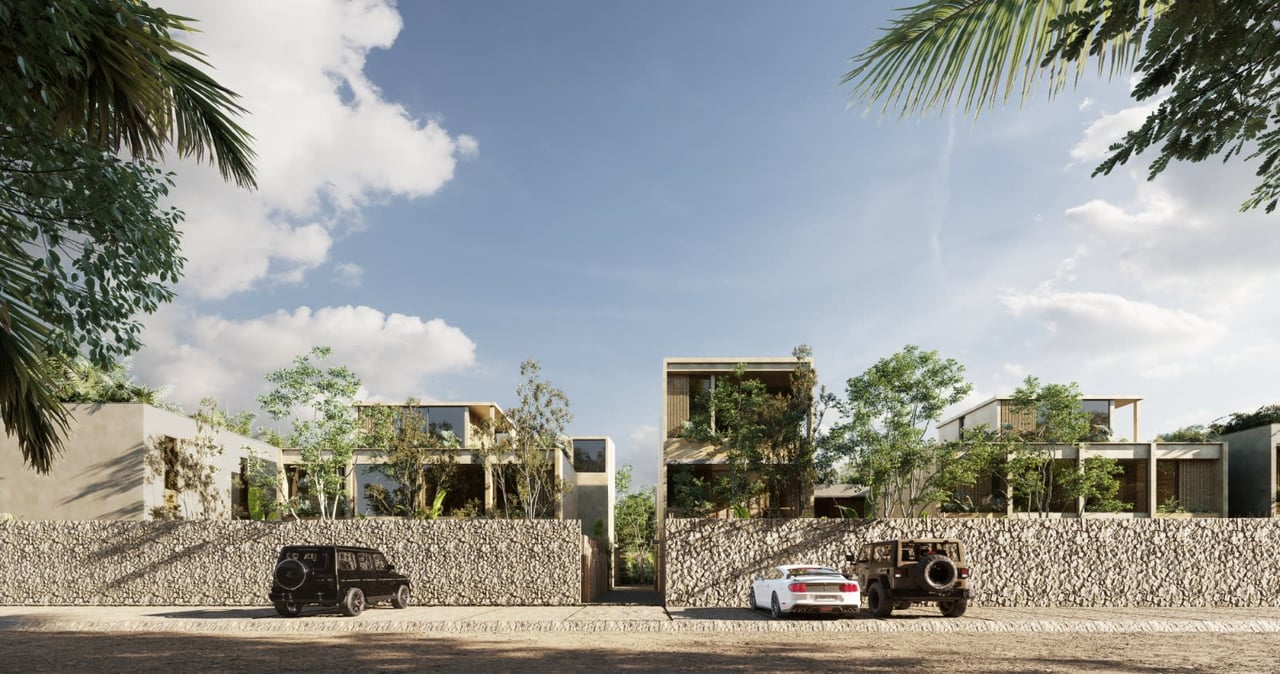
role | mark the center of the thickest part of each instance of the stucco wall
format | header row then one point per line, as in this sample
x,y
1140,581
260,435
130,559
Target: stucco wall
x,y
229,563
1051,562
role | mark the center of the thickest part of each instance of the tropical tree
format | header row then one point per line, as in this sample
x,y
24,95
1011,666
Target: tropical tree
x,y
524,459
408,449
79,380
321,403
883,439
87,248
635,521
1211,70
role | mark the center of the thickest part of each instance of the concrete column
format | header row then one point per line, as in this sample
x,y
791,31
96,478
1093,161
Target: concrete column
x,y
1152,506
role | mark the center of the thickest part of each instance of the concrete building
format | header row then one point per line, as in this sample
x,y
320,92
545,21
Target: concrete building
x,y
594,464
1255,471
122,461
1192,475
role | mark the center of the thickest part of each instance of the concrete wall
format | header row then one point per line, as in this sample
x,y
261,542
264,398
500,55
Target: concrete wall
x,y
102,472
1252,472
1016,562
229,563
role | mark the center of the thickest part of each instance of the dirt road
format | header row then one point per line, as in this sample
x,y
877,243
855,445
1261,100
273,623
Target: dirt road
x,y
620,651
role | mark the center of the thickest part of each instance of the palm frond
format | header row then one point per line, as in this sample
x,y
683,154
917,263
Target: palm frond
x,y
29,408
977,53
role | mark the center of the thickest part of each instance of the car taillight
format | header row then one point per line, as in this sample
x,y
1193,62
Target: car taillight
x,y
798,587
962,573
901,571
849,587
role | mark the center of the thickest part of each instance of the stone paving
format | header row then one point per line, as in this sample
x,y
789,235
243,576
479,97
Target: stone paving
x,y
626,618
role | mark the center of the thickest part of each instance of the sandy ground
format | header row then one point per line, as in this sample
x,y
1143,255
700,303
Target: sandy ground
x,y
621,651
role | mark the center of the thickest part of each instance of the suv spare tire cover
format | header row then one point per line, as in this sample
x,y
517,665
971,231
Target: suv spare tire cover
x,y
290,574
936,572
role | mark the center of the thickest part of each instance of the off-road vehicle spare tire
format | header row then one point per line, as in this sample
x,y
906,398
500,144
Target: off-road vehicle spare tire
x,y
290,574
936,572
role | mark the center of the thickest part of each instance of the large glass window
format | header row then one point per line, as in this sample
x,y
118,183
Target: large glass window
x,y
1100,419
589,456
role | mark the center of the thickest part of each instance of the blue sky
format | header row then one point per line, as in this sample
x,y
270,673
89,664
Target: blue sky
x,y
450,188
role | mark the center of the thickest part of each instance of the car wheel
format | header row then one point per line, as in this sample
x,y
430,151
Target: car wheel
x,y
936,572
401,597
751,598
353,603
953,608
288,609
290,574
878,601
775,609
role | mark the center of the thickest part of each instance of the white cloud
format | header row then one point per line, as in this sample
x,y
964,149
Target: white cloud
x,y
327,142
199,355
640,450
1105,328
1108,129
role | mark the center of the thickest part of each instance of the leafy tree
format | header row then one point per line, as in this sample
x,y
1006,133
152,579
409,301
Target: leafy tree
x,y
79,380
86,246
409,451
320,403
1048,416
1211,67
524,460
888,411
635,524
770,439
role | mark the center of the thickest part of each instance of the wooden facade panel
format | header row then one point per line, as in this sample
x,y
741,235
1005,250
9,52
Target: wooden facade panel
x,y
1200,486
677,403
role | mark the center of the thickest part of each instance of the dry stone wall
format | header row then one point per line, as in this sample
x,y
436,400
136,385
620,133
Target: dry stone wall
x,y
230,563
1016,562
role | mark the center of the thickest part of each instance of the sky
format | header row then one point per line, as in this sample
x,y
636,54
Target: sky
x,y
449,188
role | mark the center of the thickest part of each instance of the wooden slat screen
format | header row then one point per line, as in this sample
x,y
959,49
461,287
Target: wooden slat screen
x,y
677,403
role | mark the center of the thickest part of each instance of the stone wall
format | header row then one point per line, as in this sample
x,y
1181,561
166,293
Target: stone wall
x,y
229,563
1016,562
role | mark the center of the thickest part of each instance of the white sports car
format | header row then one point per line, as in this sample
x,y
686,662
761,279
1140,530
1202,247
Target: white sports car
x,y
805,588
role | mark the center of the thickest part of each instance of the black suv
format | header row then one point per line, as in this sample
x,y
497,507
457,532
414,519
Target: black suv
x,y
335,575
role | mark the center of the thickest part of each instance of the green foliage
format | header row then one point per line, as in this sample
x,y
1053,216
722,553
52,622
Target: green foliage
x,y
524,461
78,380
1096,482
414,454
770,437
634,514
320,403
1243,421
1213,69
86,246
1170,506
1193,433
888,411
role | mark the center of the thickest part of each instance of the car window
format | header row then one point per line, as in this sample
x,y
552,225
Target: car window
x,y
362,558
379,562
346,561
312,559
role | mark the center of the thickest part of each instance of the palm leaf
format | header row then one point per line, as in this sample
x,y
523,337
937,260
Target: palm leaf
x,y
975,53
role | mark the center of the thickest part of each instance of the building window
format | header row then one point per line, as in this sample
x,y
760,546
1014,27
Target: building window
x,y
1099,420
589,456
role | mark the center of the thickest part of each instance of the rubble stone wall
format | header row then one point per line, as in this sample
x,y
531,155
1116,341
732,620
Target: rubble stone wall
x,y
1016,562
230,563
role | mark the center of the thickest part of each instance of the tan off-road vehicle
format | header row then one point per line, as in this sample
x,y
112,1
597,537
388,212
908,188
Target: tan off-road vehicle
x,y
896,574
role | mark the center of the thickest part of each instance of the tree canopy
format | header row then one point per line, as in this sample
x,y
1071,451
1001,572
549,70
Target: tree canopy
x,y
87,246
1210,67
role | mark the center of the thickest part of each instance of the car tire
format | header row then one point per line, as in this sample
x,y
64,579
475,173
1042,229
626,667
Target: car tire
x,y
291,574
953,608
751,599
353,603
878,601
936,572
288,609
775,609
401,598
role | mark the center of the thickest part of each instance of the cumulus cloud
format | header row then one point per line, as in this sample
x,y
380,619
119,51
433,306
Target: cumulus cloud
x,y
1105,328
327,141
1108,129
348,274
197,355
